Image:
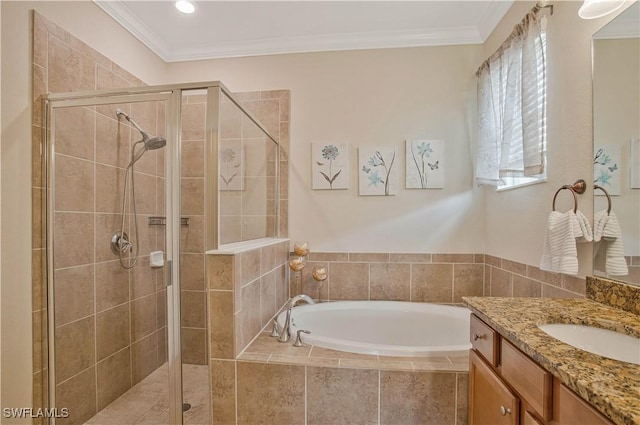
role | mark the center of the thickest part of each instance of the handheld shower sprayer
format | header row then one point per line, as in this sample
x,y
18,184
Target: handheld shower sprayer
x,y
120,243
149,142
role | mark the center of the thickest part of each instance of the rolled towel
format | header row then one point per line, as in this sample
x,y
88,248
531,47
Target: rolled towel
x,y
559,252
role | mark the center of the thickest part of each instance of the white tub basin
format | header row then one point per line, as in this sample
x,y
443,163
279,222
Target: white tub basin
x,y
613,345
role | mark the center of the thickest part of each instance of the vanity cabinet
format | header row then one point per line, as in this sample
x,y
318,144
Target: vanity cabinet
x,y
506,387
490,401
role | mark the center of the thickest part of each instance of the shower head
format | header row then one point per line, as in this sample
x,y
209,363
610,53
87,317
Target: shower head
x,y
150,142
145,136
153,143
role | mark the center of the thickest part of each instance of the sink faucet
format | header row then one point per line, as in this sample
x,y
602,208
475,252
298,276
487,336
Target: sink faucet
x,y
285,335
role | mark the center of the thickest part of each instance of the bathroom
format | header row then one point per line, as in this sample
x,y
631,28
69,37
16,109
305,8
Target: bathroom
x,y
475,236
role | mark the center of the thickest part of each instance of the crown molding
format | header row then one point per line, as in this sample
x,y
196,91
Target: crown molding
x,y
491,16
618,29
123,16
330,42
307,44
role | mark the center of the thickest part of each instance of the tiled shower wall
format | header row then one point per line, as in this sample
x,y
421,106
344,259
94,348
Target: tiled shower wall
x,y
245,292
272,108
436,278
110,332
193,296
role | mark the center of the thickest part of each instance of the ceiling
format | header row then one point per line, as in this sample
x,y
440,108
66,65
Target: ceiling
x,y
223,29
625,25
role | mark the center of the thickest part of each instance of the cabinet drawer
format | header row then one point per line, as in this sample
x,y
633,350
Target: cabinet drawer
x,y
531,381
569,409
484,339
491,402
529,419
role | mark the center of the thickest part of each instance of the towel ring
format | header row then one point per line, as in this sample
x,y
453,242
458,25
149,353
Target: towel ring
x,y
575,198
595,186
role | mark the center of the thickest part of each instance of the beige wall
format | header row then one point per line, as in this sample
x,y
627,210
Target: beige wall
x,y
372,98
516,219
81,19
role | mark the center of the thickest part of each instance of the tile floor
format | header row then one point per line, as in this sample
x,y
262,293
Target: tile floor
x,y
147,402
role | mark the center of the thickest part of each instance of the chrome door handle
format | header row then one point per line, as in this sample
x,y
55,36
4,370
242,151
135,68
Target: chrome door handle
x,y
477,337
504,410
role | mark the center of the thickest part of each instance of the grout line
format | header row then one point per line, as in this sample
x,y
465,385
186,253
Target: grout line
x,y
379,393
305,395
453,283
455,400
95,275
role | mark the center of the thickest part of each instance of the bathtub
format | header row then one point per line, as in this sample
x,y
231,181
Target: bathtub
x,y
385,328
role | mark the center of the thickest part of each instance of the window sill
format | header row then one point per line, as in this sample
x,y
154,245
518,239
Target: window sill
x,y
516,186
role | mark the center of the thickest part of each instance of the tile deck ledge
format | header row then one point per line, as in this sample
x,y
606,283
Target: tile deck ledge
x,y
265,349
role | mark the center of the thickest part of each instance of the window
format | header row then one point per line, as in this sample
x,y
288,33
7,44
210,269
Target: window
x,y
511,148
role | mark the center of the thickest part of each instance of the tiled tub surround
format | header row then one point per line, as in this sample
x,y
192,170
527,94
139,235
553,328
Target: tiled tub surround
x,y
276,383
609,385
436,278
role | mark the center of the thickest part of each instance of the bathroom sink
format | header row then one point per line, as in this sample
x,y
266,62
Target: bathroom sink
x,y
613,345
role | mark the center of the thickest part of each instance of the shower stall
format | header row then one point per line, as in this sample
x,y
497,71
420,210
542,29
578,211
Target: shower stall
x,y
140,184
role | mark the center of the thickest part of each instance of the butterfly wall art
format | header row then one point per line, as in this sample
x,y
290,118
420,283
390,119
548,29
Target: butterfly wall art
x,y
606,169
424,164
377,170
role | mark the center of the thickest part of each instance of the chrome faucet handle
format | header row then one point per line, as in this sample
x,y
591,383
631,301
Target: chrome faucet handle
x,y
275,332
298,342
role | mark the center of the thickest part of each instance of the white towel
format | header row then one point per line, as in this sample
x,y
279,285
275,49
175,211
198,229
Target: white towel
x,y
584,233
606,230
559,253
599,221
615,264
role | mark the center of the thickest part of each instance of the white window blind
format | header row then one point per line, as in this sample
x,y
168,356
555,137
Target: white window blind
x,y
512,107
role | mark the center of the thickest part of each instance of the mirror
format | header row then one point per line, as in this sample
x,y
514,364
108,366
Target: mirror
x,y
616,133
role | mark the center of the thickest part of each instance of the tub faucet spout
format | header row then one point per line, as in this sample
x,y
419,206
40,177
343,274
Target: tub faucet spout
x,y
285,334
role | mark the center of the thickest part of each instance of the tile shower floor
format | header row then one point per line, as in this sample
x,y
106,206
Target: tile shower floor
x,y
147,402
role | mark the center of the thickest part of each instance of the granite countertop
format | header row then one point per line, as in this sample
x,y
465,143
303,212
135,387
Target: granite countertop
x,y
611,386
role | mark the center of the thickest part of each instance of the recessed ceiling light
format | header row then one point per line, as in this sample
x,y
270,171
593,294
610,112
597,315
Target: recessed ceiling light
x,y
185,6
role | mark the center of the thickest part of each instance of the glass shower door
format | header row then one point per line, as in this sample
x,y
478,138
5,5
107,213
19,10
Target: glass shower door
x,y
111,243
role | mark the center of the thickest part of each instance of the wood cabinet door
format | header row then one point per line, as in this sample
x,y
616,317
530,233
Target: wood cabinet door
x,y
491,402
569,409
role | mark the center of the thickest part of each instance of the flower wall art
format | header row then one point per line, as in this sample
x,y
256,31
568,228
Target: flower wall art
x,y
231,165
606,169
377,170
329,166
424,164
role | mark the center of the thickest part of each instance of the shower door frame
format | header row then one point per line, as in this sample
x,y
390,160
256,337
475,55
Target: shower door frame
x,y
172,214
173,95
